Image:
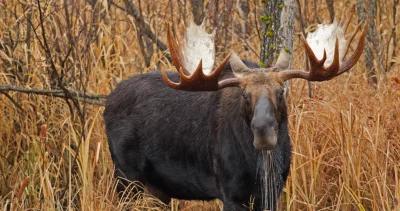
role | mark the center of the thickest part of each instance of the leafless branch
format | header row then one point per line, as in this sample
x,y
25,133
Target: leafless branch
x,y
347,24
301,19
243,9
15,103
351,39
304,34
315,8
198,11
256,23
144,42
392,43
331,10
227,22
54,72
131,10
94,99
183,11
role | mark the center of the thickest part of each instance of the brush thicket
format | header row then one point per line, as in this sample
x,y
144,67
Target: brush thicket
x,y
346,138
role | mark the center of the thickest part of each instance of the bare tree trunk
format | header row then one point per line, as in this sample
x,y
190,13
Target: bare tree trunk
x,y
366,10
287,27
227,22
213,12
242,6
270,21
243,9
277,29
220,17
198,11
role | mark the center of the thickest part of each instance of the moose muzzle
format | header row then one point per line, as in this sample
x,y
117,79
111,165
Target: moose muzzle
x,y
264,125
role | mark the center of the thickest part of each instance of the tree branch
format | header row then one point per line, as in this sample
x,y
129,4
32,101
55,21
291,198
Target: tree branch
x,y
331,9
131,9
12,100
94,99
198,11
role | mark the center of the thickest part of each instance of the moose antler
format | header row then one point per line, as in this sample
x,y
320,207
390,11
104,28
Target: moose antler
x,y
317,70
197,81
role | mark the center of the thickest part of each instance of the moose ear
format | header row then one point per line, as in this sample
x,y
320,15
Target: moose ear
x,y
234,68
237,64
283,60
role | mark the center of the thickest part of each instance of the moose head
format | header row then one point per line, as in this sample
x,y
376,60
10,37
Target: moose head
x,y
262,88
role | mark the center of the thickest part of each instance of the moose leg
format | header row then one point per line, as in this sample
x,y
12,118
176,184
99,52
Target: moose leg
x,y
165,198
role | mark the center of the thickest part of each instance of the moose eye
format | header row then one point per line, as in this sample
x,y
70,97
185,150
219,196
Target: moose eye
x,y
280,93
246,96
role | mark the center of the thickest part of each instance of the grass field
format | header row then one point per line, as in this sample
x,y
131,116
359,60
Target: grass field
x,y
54,154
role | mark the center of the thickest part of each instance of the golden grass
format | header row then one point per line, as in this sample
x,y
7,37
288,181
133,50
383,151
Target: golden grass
x,y
346,139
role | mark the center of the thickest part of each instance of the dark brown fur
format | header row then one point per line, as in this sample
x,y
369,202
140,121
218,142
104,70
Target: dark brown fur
x,y
196,145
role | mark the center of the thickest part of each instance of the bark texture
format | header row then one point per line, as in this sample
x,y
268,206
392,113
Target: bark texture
x,y
367,11
277,23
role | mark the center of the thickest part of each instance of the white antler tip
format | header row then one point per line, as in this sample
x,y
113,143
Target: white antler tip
x,y
198,45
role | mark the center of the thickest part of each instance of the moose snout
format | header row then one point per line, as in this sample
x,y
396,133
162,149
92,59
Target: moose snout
x,y
262,125
265,133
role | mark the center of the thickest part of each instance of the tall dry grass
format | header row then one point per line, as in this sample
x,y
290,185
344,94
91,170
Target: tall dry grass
x,y
346,139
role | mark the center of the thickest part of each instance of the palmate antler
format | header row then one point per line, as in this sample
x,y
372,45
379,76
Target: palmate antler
x,y
317,70
197,81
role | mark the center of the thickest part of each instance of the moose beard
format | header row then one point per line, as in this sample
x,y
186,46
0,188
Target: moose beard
x,y
269,174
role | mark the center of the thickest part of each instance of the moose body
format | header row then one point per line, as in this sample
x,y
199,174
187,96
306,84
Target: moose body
x,y
223,134
188,145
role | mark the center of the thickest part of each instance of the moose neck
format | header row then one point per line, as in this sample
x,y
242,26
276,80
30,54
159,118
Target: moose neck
x,y
270,167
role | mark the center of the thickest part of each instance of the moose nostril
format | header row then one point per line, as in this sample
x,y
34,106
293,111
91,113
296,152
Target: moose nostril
x,y
258,126
261,125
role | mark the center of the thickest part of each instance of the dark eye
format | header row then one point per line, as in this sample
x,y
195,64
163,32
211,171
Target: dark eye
x,y
246,96
280,93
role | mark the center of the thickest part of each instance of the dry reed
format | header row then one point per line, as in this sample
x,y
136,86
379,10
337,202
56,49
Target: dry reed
x,y
346,139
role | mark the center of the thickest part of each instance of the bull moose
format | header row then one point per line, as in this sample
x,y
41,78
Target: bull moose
x,y
210,136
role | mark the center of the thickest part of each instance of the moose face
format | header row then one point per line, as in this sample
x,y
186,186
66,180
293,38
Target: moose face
x,y
265,105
